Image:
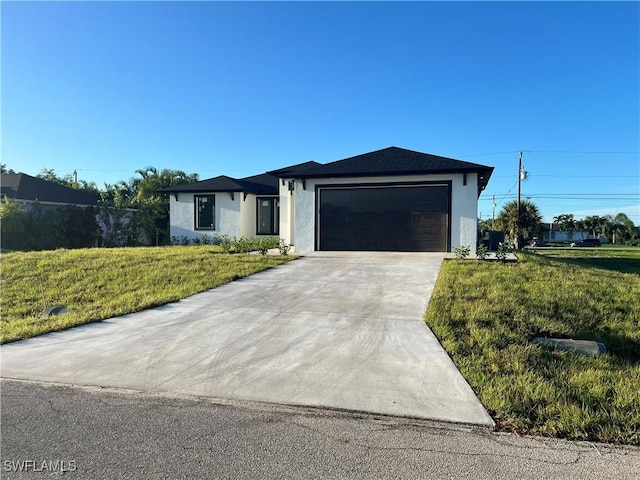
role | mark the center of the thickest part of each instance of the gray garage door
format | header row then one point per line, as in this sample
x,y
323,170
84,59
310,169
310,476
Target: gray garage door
x,y
407,218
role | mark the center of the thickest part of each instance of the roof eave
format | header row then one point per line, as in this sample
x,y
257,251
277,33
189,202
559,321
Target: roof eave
x,y
219,190
199,190
483,180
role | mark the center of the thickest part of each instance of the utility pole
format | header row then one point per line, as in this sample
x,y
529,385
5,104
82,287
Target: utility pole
x,y
493,212
519,190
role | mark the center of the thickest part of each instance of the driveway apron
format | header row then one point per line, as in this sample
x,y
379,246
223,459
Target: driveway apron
x,y
336,330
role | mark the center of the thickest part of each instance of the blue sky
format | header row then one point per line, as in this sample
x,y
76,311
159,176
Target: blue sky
x,y
239,88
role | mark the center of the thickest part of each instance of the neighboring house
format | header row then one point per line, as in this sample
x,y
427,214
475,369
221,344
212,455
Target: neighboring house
x,y
552,233
388,200
26,190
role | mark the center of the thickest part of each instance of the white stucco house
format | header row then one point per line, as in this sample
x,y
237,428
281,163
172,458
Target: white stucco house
x,y
552,233
388,200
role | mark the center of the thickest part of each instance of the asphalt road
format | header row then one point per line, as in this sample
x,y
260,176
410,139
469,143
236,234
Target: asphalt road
x,y
95,433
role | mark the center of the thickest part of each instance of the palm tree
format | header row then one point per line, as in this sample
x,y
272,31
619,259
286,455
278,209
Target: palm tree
x,y
597,225
146,188
566,223
530,223
621,223
153,206
580,227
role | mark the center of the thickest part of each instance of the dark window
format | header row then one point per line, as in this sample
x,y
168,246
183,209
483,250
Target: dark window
x,y
268,216
205,212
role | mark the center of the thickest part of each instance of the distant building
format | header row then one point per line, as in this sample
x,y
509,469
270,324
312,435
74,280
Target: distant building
x,y
552,233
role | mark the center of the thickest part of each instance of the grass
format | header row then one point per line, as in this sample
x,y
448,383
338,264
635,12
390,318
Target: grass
x,y
617,258
102,283
486,314
611,251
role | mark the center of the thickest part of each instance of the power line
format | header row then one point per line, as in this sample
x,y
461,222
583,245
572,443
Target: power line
x,y
571,176
589,194
487,154
567,152
505,195
590,176
572,152
572,198
578,197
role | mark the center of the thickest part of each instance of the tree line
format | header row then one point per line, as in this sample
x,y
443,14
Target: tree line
x,y
618,228
129,212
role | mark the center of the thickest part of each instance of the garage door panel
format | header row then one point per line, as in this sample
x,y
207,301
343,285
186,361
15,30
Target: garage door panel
x,y
407,218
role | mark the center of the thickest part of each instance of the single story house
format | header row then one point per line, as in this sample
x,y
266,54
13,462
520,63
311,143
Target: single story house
x,y
388,200
552,233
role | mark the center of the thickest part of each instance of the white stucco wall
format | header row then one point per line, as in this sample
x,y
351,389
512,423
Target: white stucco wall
x,y
286,212
181,215
248,218
304,217
227,213
234,217
464,206
464,211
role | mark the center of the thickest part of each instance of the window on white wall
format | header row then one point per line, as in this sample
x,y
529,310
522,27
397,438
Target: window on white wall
x,y
268,216
205,206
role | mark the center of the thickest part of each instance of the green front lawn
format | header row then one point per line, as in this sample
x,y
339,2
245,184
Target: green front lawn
x,y
614,251
486,314
618,258
102,283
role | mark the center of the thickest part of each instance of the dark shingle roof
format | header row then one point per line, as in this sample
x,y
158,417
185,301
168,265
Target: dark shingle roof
x,y
389,161
392,161
21,186
283,172
264,184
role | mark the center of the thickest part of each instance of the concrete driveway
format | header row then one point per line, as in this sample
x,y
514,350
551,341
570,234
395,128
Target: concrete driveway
x,y
337,330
